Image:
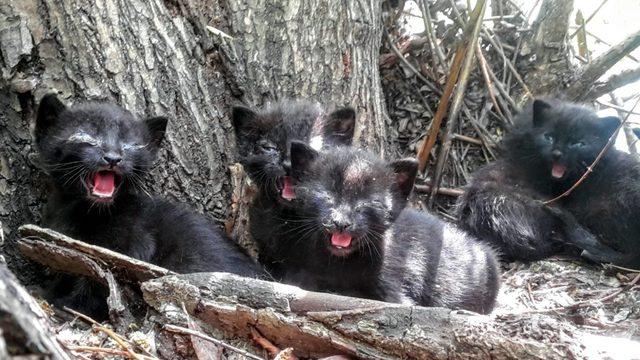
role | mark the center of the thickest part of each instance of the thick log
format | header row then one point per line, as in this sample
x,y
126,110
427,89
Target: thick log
x,y
21,316
317,324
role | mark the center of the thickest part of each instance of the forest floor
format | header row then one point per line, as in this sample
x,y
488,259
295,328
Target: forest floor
x,y
604,302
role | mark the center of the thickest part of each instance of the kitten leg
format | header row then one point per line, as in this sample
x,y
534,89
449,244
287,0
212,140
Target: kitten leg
x,y
516,223
613,257
581,237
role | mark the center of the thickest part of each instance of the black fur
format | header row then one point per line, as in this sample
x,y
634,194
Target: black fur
x,y
74,143
393,254
504,202
263,138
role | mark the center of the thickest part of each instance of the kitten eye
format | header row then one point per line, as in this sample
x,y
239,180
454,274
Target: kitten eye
x,y
548,137
266,147
133,146
83,138
578,144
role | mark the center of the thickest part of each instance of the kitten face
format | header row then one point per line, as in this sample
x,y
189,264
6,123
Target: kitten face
x,y
349,197
264,138
95,151
568,138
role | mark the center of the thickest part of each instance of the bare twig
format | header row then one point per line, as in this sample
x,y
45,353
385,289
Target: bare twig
x,y
471,43
590,168
593,14
185,331
485,74
96,349
411,67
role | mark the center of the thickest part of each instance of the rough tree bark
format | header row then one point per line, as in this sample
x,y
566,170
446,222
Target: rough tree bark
x,y
157,57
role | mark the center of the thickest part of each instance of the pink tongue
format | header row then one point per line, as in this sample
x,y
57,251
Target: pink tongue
x,y
557,171
287,190
104,183
340,239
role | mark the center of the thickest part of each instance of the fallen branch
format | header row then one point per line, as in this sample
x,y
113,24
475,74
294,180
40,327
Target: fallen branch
x,y
616,81
317,324
593,71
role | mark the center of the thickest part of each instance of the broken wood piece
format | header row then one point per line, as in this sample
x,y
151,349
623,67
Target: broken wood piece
x,y
19,309
318,324
123,266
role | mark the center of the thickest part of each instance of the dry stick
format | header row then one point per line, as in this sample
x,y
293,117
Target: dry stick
x,y
458,98
588,19
443,191
430,139
608,44
264,342
185,331
431,35
113,335
411,67
595,162
96,349
507,61
487,79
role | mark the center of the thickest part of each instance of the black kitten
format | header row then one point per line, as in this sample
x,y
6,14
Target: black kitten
x,y
264,136
96,156
348,232
549,148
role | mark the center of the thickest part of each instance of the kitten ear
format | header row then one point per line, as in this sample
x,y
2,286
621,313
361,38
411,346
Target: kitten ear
x,y
302,155
609,125
539,109
339,126
48,111
405,171
243,119
157,127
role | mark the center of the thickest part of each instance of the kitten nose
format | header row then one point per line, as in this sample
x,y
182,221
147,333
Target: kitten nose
x,y
556,154
286,165
341,224
112,159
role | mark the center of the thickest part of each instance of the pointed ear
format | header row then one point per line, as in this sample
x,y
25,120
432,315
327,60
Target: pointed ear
x,y
539,109
637,132
157,127
302,155
609,125
405,171
243,119
49,110
339,126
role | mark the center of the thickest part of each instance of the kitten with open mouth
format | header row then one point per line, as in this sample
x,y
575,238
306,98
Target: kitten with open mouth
x,y
96,156
349,232
263,137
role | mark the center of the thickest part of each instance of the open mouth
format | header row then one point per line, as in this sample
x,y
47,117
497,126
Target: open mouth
x,y
558,171
103,185
342,244
285,188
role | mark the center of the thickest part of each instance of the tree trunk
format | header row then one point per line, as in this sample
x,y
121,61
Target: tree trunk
x,y
157,57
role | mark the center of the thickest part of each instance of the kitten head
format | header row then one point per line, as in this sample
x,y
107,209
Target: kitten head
x,y
264,137
559,139
349,196
95,151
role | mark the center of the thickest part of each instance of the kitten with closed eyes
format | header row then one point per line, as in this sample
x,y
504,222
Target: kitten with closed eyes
x,y
348,232
96,156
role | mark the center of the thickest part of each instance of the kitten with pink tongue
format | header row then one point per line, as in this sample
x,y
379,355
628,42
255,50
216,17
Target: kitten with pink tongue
x,y
558,170
104,185
288,192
